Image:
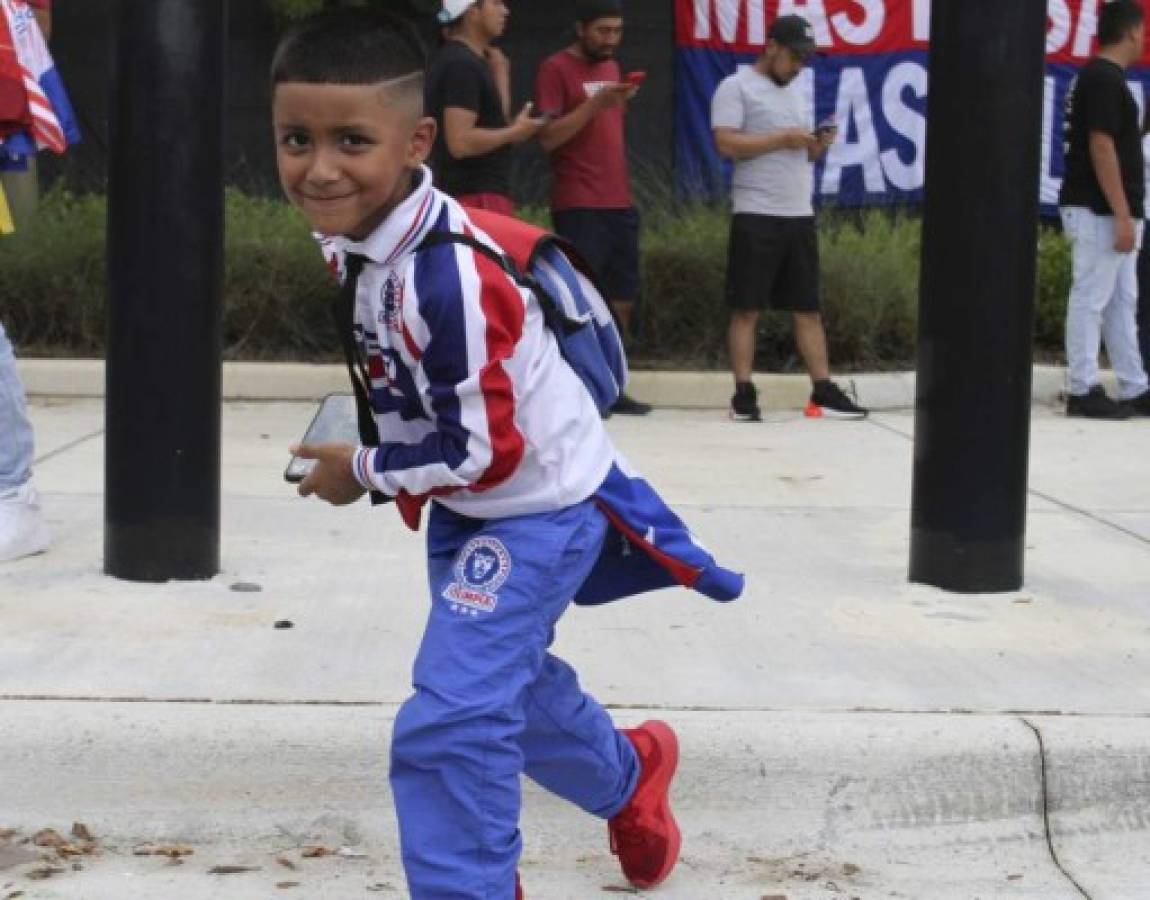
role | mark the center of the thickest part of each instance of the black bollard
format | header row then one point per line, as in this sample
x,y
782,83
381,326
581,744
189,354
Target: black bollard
x,y
165,269
972,425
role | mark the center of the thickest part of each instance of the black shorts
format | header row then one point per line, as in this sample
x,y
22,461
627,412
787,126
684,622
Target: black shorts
x,y
773,262
608,239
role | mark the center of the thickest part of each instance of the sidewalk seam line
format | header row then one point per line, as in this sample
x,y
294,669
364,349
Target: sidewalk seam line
x,y
71,445
1045,796
1070,507
1032,491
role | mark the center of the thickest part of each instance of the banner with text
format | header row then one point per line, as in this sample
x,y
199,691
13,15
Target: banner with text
x,y
872,80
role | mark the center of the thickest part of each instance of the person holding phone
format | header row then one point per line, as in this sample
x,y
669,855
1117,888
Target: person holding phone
x,y
469,96
761,120
584,94
468,412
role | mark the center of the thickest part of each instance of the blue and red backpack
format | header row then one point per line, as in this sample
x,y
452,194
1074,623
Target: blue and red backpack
x,y
568,294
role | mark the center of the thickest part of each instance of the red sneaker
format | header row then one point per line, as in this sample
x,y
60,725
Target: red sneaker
x,y
518,888
645,835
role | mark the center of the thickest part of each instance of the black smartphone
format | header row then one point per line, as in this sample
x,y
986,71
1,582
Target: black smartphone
x,y
334,422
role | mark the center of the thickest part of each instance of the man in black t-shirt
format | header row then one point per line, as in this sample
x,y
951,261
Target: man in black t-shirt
x,y
468,93
1103,204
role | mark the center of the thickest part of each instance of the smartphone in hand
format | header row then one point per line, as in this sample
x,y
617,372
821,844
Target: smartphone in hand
x,y
335,422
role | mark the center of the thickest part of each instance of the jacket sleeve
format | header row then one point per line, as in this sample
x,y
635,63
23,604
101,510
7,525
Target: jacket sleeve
x,y
470,320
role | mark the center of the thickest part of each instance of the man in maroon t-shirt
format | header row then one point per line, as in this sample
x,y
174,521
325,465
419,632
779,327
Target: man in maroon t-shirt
x,y
582,91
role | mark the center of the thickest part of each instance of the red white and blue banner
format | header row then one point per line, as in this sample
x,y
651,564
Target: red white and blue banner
x,y
872,80
35,113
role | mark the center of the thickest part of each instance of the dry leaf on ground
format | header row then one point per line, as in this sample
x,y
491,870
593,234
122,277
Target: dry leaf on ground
x,y
174,851
48,837
232,870
80,832
43,872
314,851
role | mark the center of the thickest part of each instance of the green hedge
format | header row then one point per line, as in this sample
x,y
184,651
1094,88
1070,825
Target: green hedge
x,y
52,291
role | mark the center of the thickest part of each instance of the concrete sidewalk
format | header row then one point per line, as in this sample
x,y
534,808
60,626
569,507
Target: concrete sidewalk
x,y
846,734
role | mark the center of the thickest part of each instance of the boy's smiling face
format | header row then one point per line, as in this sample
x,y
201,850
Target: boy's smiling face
x,y
346,153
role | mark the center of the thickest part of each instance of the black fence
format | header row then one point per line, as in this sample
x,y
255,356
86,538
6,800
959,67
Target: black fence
x,y
83,44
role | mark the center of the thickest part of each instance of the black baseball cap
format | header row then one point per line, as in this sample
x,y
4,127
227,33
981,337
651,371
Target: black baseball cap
x,y
796,34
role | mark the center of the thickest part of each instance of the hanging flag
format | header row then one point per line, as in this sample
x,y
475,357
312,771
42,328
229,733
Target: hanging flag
x,y
52,123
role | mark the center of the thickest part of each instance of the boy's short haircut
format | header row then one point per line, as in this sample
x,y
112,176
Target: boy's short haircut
x,y
1116,18
350,46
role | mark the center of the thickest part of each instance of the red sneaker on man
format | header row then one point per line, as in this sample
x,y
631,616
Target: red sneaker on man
x,y
645,835
518,888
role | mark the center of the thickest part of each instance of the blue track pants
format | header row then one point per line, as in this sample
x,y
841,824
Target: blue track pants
x,y
491,703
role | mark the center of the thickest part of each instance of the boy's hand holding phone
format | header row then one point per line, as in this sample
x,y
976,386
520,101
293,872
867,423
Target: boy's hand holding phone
x,y
331,479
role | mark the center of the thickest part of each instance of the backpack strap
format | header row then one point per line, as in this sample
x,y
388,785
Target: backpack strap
x,y
521,241
553,313
525,242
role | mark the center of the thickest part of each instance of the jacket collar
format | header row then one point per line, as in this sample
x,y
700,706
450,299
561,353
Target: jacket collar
x,y
401,232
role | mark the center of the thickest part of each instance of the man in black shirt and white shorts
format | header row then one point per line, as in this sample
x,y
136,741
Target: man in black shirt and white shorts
x,y
1102,205
761,120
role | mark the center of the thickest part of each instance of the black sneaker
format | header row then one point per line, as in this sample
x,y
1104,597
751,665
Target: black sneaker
x,y
829,402
1140,405
629,406
745,404
1096,404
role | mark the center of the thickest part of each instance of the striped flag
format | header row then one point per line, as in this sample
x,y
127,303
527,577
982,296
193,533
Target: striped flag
x,y
51,122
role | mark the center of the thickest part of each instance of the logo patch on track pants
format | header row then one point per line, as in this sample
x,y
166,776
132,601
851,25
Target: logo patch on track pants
x,y
480,570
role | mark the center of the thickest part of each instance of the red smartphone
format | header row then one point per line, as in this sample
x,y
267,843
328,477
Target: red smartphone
x,y
635,78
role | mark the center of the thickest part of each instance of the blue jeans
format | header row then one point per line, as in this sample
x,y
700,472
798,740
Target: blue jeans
x,y
491,704
15,429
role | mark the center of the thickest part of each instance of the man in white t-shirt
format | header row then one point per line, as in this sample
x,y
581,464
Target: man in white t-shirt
x,y
762,121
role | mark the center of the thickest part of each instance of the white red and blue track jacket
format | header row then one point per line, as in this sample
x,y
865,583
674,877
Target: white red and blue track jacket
x,y
476,407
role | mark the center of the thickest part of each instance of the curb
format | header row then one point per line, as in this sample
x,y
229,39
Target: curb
x,y
880,797
84,378
210,773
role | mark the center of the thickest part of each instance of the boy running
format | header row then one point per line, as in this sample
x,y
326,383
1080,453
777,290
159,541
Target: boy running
x,y
530,506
